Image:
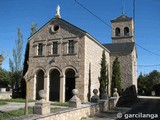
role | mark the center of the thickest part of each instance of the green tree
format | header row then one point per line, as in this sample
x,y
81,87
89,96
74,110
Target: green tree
x,y
154,77
141,83
103,79
1,60
5,77
147,82
116,76
16,63
25,69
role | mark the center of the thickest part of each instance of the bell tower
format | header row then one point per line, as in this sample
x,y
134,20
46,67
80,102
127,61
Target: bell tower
x,y
122,29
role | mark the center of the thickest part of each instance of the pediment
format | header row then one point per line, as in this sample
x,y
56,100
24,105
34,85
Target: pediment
x,y
57,29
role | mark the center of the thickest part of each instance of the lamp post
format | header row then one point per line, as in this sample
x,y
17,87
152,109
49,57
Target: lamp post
x,y
27,78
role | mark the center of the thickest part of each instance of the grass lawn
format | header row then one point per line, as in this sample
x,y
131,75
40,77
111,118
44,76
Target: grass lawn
x,y
60,104
3,103
21,100
14,113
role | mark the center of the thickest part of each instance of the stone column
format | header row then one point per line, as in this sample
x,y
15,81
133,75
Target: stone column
x,y
34,89
46,86
62,88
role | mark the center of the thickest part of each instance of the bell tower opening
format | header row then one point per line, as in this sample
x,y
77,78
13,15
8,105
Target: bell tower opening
x,y
122,29
118,31
126,31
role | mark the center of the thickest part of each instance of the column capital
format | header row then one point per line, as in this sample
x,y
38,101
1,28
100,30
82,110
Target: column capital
x,y
77,75
61,76
45,76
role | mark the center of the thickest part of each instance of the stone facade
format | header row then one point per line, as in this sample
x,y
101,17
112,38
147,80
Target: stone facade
x,y
127,68
63,57
78,62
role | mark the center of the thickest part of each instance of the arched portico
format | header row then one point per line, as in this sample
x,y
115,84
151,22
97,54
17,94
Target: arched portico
x,y
69,83
39,82
54,85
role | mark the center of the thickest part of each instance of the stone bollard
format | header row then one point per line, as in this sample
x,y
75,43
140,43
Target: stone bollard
x,y
105,95
42,107
104,102
95,97
75,102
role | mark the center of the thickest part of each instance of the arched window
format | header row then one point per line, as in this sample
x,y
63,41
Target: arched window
x,y
117,31
126,31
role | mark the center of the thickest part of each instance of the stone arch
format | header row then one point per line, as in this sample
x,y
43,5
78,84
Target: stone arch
x,y
70,76
39,68
54,84
70,67
52,68
39,82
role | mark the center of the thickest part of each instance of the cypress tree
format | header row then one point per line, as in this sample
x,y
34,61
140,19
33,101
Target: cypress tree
x,y
116,76
103,79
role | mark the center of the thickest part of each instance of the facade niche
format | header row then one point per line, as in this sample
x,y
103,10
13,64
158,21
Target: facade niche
x,y
54,85
39,83
70,83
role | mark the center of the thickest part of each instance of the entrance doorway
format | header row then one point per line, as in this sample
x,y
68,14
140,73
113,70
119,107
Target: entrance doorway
x,y
54,85
70,83
39,83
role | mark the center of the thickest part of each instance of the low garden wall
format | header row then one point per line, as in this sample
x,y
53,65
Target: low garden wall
x,y
6,95
72,114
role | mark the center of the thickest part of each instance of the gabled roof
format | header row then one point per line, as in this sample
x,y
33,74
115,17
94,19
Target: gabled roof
x,y
122,18
77,29
60,20
120,47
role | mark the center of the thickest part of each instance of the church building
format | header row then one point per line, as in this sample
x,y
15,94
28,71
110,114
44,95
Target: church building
x,y
63,57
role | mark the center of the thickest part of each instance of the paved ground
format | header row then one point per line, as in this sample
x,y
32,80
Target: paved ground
x,y
146,109
14,106
109,115
146,105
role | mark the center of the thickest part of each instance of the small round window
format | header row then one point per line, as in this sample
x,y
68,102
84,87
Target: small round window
x,y
56,28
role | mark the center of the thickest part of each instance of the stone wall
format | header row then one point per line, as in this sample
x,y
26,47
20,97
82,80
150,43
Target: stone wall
x,y
5,95
93,55
72,114
134,68
126,68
